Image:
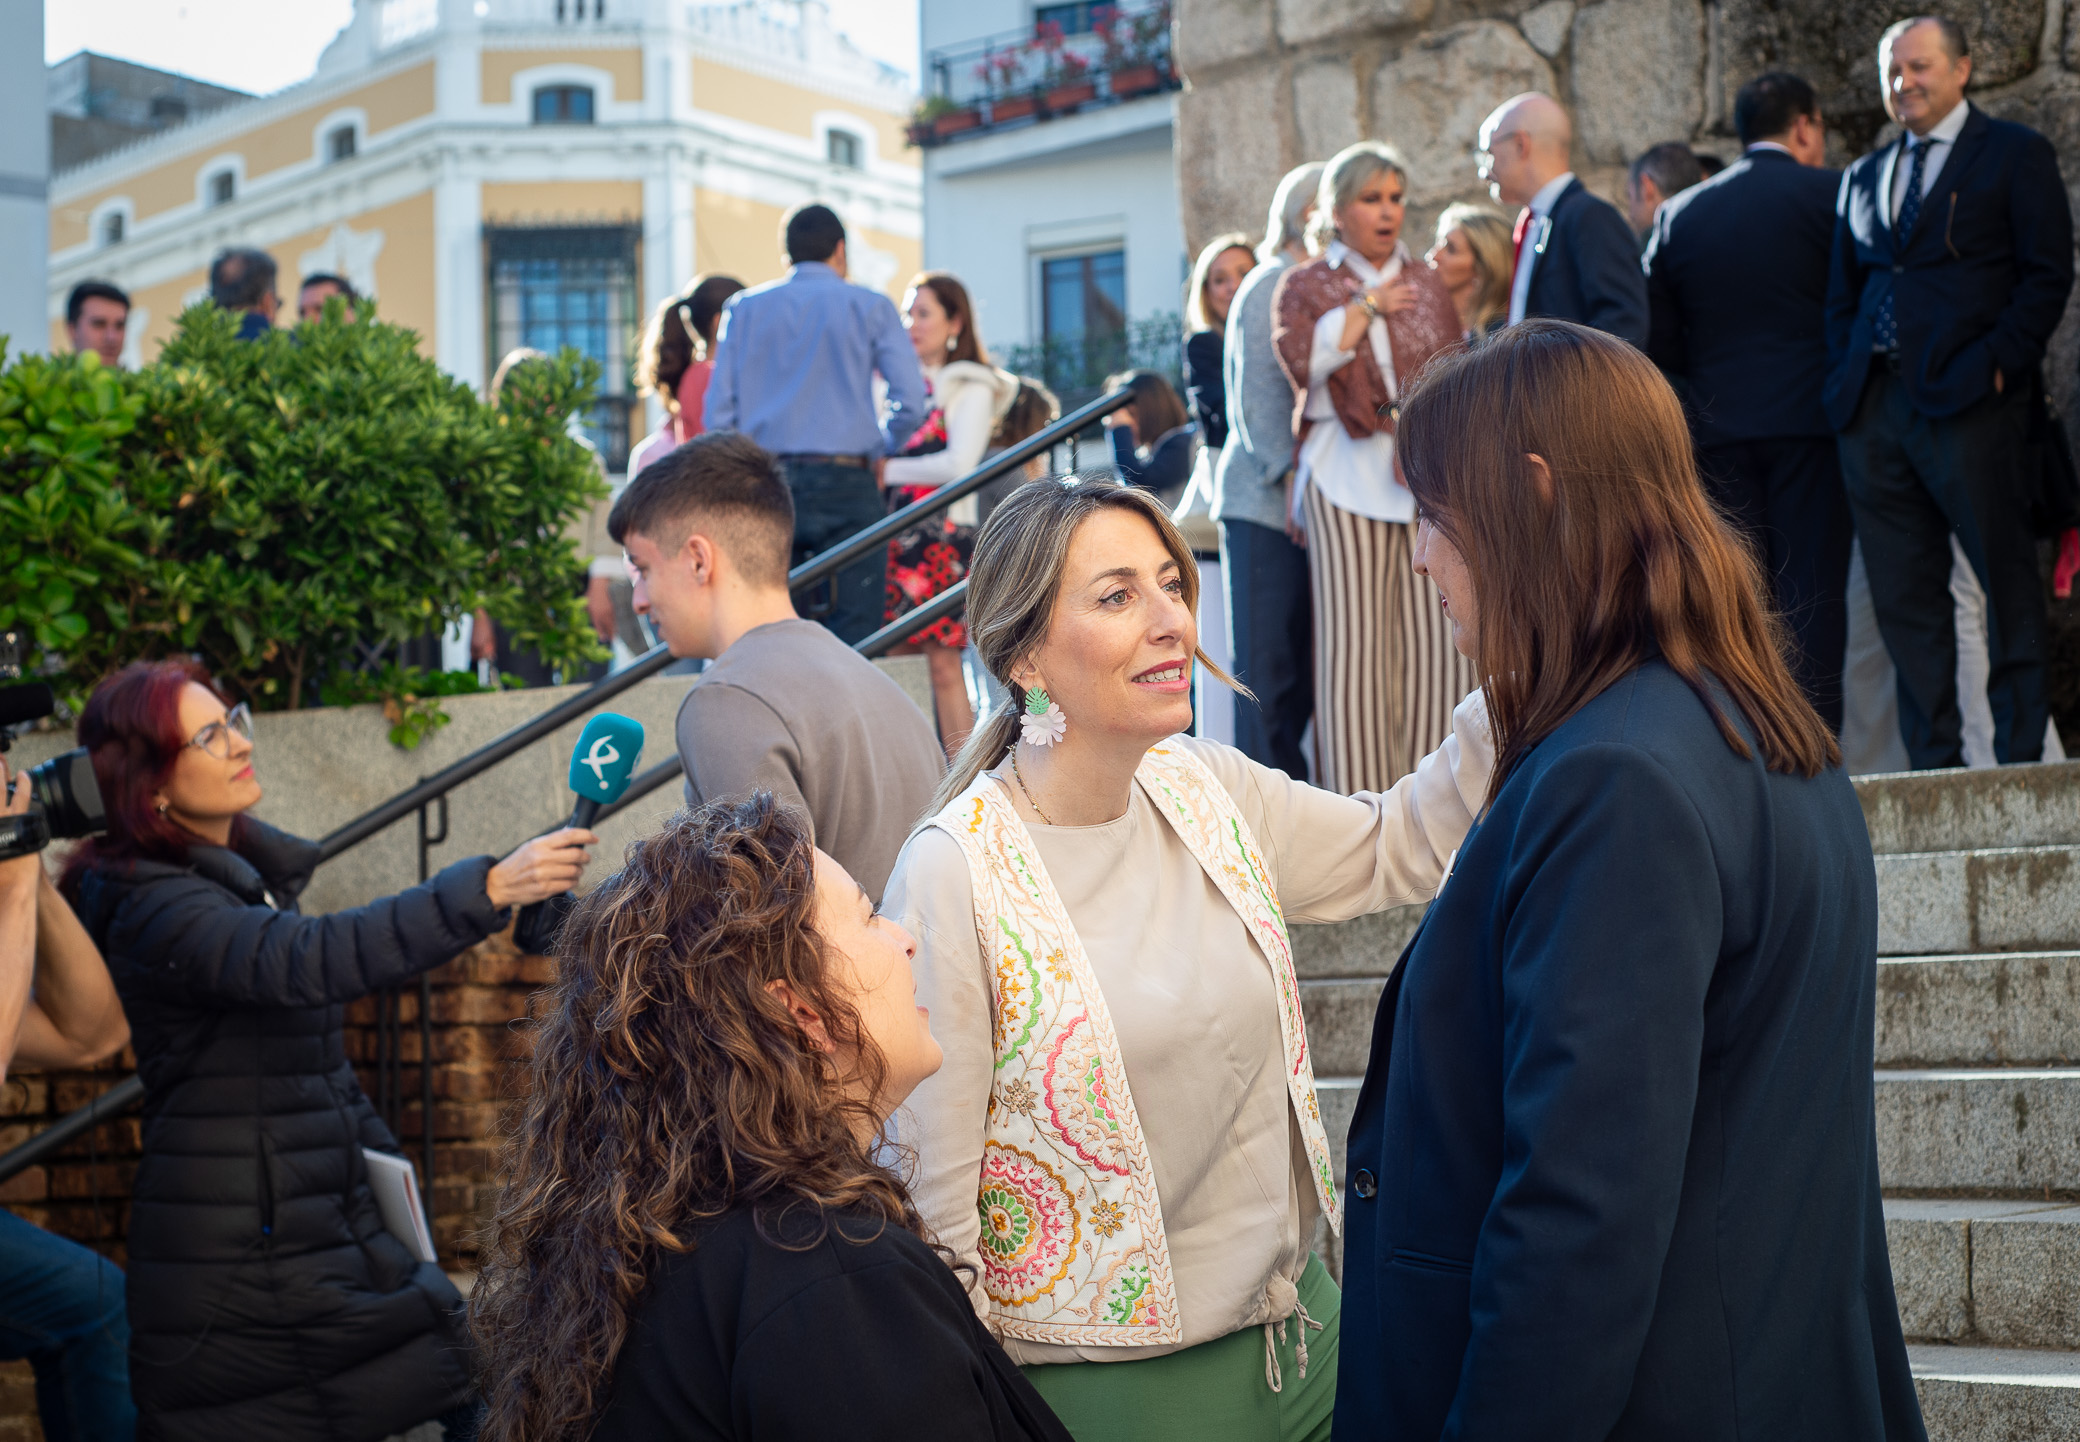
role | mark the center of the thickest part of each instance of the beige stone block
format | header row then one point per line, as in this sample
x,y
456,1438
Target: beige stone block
x,y
1430,99
1325,106
1215,32
1638,76
1302,22
1546,26
1229,152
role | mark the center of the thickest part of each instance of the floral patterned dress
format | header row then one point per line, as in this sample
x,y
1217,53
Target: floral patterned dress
x,y
924,560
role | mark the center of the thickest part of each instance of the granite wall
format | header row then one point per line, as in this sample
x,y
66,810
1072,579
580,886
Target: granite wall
x,y
1274,82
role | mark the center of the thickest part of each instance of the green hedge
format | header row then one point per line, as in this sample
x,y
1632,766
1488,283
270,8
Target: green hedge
x,y
267,504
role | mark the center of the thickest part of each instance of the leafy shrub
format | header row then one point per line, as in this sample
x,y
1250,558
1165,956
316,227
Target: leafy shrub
x,y
286,508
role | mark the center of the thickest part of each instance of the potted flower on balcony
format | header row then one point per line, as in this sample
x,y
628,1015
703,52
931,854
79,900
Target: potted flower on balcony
x,y
1001,73
940,116
1069,83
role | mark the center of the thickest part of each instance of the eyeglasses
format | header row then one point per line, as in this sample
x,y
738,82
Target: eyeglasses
x,y
215,738
1484,160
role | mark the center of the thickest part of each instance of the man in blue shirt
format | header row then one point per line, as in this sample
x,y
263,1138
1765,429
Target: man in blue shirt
x,y
794,370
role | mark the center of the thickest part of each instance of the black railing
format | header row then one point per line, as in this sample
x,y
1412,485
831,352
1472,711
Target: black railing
x,y
433,790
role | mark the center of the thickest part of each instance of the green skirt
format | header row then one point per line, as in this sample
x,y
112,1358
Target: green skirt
x,y
1214,1392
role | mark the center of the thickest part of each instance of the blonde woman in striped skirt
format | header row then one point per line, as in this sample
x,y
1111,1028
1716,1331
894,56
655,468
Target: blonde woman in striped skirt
x,y
1354,326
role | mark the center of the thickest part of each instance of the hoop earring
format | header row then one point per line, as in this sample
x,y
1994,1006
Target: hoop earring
x,y
1043,724
162,808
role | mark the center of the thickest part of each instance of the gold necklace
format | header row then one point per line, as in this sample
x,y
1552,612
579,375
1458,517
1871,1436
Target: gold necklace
x,y
1026,791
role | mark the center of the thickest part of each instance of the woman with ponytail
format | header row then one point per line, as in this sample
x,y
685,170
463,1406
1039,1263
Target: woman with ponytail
x,y
1096,898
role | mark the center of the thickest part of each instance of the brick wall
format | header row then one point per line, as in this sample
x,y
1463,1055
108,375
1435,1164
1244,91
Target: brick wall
x,y
84,1193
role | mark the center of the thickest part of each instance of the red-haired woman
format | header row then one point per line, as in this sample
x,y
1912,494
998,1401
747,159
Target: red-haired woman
x,y
1613,1172
699,1239
969,396
266,1299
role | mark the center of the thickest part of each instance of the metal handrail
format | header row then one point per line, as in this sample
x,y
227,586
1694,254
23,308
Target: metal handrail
x,y
128,1092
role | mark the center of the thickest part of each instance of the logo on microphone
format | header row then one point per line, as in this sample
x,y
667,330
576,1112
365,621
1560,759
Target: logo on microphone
x,y
600,757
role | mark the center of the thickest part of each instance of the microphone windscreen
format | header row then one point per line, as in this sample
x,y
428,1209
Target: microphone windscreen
x,y
606,757
31,701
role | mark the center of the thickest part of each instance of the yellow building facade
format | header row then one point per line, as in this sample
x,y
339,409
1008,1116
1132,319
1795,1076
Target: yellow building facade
x,y
507,172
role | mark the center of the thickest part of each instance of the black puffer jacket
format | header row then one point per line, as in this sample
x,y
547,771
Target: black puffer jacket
x,y
266,1299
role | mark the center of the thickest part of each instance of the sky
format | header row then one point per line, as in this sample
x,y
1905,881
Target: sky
x,y
262,45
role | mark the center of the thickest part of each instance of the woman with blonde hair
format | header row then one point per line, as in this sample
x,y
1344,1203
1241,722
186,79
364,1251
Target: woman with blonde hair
x,y
967,397
1216,276
1354,328
1474,257
700,1235
1098,897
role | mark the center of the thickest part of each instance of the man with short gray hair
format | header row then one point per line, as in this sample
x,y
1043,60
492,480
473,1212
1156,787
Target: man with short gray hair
x,y
1953,257
243,280
1657,173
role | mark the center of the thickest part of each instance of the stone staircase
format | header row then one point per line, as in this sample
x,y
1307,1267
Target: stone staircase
x,y
1978,1082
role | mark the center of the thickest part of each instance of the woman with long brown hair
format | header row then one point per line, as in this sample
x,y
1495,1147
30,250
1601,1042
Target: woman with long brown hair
x,y
1614,1169
968,397
1100,900
699,1237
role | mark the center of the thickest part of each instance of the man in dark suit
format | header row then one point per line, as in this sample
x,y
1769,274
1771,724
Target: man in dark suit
x,y
1576,258
1737,289
1953,256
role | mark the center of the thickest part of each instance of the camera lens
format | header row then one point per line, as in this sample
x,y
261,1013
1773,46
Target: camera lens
x,y
65,788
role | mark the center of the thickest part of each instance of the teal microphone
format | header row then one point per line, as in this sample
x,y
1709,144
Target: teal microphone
x,y
601,765
603,761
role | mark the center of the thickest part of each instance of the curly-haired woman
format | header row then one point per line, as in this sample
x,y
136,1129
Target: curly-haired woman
x,y
698,1239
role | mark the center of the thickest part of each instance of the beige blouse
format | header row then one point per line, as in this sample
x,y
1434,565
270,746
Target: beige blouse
x,y
1194,1005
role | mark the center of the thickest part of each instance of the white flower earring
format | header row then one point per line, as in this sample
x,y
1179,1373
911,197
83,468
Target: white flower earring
x,y
1043,724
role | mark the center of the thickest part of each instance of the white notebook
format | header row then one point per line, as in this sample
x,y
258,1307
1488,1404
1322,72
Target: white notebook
x,y
395,1182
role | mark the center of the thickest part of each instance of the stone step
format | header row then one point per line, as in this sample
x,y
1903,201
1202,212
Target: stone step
x,y
1952,810
1365,946
2012,1131
1339,1016
1989,1273
1977,1010
2017,1008
1997,1394
2024,898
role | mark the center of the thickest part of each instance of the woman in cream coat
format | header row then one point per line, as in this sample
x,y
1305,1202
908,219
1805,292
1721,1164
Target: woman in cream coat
x,y
1124,1147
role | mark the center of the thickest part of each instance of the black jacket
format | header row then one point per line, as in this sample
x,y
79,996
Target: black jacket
x,y
1979,285
797,1332
1737,287
1205,387
266,1299
1169,463
1587,267
1613,1172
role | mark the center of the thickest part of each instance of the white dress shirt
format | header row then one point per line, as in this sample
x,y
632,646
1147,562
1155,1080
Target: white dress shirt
x,y
1353,474
1534,242
1938,142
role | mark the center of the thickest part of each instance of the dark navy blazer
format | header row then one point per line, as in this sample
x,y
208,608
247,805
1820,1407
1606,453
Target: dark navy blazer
x,y
1737,287
1981,282
1613,1172
1587,269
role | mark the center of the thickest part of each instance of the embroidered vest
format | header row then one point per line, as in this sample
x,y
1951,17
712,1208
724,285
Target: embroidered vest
x,y
1073,1250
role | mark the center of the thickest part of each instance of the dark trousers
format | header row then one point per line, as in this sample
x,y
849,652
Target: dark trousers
x,y
1913,480
832,502
61,1306
1787,495
1271,636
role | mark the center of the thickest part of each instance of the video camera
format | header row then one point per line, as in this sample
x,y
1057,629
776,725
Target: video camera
x,y
64,798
